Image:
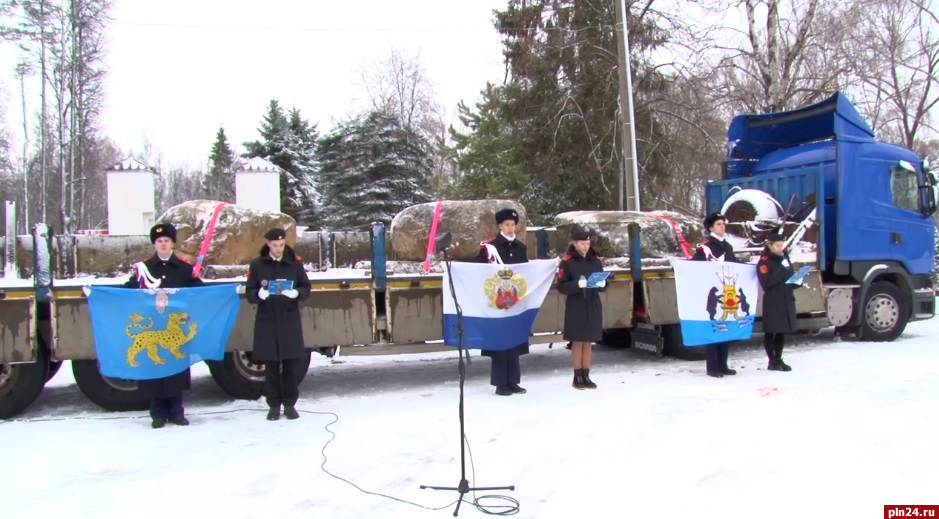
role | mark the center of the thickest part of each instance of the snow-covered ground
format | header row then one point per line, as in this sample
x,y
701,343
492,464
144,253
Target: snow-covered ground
x,y
850,429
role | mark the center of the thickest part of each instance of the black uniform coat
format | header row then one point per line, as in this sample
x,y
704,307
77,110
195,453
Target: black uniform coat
x,y
720,250
779,302
173,273
583,309
511,252
278,330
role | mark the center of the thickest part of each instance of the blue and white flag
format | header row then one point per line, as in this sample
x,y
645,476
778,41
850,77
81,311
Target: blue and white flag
x,y
499,302
716,300
143,334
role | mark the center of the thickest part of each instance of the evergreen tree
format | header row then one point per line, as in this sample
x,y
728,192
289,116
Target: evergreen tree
x,y
371,168
288,143
554,128
219,181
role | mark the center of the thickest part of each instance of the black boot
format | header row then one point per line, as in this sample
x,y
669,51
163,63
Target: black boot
x,y
291,413
158,423
579,379
179,420
587,382
517,389
503,390
778,350
273,414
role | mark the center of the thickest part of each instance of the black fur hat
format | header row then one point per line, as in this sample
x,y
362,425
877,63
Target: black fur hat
x,y
162,229
775,237
506,214
711,219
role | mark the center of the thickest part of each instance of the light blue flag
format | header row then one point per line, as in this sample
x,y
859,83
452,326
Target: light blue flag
x,y
145,334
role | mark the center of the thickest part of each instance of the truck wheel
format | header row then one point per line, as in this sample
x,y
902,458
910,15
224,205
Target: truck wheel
x,y
20,384
673,344
242,377
53,369
112,394
885,313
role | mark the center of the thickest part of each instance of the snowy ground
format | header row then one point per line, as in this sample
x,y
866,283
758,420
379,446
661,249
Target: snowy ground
x,y
851,429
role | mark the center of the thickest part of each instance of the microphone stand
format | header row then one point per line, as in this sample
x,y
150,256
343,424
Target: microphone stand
x,y
443,243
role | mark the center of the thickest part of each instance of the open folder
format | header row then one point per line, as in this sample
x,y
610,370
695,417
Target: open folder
x,y
799,275
595,278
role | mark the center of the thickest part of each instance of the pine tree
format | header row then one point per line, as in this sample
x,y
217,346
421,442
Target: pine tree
x,y
219,181
290,144
554,126
371,168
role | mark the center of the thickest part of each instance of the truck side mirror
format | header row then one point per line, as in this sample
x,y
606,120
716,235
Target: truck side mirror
x,y
932,192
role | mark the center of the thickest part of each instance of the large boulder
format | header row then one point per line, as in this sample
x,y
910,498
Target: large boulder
x,y
238,235
469,222
611,236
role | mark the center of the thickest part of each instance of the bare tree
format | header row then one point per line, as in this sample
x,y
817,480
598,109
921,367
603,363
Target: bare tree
x,y
398,85
895,56
791,52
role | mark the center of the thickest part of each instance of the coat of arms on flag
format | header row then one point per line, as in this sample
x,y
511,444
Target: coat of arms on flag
x,y
505,289
716,300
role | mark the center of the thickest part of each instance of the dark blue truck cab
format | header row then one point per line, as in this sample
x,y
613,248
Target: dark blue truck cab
x,y
867,206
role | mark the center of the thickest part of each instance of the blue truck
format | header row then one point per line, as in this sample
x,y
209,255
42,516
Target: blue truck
x,y
858,210
866,208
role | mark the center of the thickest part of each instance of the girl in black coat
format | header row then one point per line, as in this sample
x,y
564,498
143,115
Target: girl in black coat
x,y
583,309
779,302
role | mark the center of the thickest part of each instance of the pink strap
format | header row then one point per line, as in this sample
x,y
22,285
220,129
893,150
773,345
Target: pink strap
x,y
197,269
433,236
685,247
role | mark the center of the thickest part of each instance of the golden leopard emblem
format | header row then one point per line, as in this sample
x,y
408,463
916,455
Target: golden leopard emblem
x,y
170,338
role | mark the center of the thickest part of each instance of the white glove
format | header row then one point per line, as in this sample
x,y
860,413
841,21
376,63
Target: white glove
x,y
291,293
582,282
263,293
601,284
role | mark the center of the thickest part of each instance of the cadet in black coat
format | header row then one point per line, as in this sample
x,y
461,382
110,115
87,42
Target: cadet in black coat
x,y
165,394
278,330
716,248
506,370
779,301
583,309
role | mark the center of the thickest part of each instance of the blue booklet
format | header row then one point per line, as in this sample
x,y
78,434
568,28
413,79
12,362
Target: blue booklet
x,y
800,274
277,286
595,278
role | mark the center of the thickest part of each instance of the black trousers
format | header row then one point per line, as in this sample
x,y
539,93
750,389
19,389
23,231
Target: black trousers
x,y
506,369
773,343
716,356
167,407
281,382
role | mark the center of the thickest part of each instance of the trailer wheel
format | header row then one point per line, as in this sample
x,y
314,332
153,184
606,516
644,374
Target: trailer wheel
x,y
673,344
616,338
112,394
20,384
885,313
242,377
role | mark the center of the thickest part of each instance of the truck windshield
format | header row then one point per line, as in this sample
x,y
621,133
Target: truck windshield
x,y
904,187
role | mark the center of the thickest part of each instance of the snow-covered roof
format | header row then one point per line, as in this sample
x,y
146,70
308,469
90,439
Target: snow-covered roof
x,y
256,165
131,164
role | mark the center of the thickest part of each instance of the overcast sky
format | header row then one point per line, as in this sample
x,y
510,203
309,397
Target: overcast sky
x,y
177,70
